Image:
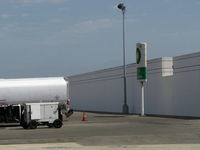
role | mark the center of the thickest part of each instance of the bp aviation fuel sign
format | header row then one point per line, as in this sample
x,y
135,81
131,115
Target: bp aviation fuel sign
x,y
141,61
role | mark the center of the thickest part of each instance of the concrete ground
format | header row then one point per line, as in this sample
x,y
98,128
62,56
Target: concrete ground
x,y
108,132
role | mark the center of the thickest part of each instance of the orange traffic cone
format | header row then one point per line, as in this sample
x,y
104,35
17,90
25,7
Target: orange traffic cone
x,y
84,117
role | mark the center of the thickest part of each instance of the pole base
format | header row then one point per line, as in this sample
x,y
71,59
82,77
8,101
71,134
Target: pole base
x,y
125,109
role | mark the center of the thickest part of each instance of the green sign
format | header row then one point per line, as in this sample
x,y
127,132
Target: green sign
x,y
141,61
142,73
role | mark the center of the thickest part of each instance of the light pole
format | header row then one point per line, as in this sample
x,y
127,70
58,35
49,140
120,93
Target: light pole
x,y
125,106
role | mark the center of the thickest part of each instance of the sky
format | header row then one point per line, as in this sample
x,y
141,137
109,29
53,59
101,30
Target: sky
x,y
49,38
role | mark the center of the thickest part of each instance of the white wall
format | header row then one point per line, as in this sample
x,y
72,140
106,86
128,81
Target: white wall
x,y
173,88
97,91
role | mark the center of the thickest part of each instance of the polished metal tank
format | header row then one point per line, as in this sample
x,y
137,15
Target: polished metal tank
x,y
16,91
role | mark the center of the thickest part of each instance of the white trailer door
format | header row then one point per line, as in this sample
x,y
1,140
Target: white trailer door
x,y
49,112
35,111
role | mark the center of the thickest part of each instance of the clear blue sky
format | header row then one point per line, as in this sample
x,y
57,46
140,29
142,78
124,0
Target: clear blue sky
x,y
40,38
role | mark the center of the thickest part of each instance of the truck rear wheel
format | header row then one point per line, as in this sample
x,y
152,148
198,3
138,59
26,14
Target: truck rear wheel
x,y
57,123
33,124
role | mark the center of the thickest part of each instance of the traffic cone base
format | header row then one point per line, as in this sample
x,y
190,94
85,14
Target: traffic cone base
x,y
84,117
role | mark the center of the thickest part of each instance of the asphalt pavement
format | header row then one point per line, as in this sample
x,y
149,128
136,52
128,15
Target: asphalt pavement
x,y
108,131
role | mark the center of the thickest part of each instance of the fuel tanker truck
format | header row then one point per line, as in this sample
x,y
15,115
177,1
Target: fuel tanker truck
x,y
35,101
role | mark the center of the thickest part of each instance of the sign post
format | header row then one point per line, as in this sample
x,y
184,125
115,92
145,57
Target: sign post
x,y
141,61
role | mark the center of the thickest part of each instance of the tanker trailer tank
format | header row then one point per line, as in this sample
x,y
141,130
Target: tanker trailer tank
x,y
18,91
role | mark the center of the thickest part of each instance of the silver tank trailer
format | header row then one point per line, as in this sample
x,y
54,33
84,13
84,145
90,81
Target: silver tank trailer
x,y
17,91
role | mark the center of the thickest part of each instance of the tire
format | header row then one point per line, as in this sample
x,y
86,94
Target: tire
x,y
57,123
33,124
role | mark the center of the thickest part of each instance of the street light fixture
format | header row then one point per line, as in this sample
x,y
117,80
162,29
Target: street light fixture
x,y
125,106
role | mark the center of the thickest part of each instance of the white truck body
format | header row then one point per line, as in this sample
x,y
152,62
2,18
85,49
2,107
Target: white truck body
x,y
34,114
43,112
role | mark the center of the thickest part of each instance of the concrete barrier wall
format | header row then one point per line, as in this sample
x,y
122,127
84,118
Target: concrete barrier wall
x,y
97,91
177,95
173,88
